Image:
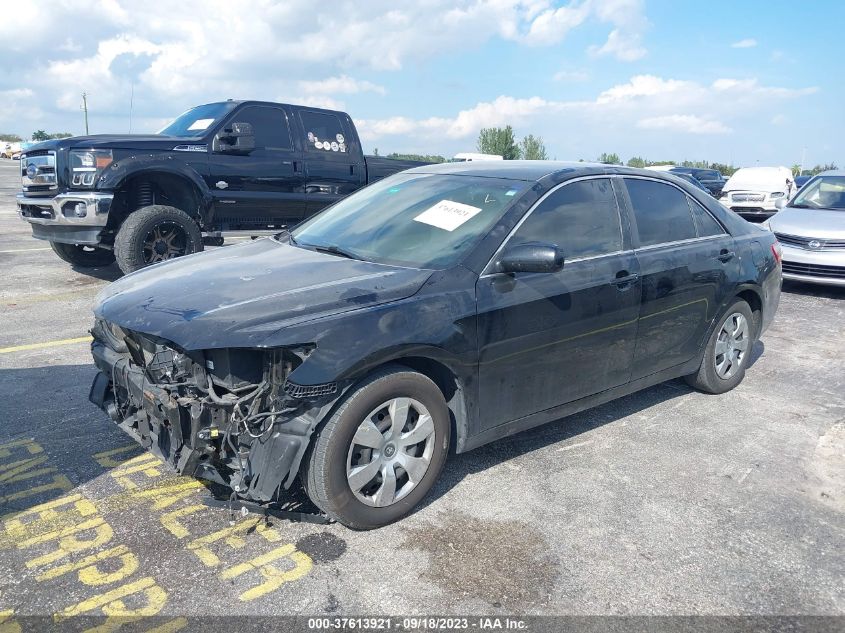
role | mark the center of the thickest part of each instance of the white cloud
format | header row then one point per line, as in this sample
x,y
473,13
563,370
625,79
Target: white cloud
x,y
688,123
749,42
645,86
339,85
571,75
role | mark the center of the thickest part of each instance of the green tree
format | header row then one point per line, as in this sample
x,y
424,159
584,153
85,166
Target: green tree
x,y
533,148
375,151
61,135
725,169
40,135
499,141
820,168
637,161
10,138
609,159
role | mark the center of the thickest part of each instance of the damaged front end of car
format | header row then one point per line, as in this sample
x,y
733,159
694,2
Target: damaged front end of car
x,y
231,416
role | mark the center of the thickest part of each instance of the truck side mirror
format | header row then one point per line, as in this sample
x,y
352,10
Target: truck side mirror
x,y
235,139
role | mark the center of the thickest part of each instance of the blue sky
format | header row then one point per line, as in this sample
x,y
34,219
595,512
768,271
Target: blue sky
x,y
752,82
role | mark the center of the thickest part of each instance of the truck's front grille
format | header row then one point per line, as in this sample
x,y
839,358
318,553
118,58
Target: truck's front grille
x,y
748,197
38,171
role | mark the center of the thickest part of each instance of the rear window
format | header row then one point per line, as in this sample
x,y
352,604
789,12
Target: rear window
x,y
323,132
661,211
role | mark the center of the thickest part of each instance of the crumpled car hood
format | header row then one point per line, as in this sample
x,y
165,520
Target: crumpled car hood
x,y
239,295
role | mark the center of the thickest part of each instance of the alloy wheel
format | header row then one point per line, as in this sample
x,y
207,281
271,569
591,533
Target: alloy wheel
x,y
165,241
731,345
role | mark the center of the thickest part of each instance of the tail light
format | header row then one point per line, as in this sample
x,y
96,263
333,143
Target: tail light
x,y
776,251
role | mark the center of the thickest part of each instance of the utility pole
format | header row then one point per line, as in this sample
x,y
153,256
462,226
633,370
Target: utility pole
x,y
85,109
803,156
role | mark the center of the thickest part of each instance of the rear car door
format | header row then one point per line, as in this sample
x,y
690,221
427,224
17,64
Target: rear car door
x,y
546,339
334,162
687,261
266,186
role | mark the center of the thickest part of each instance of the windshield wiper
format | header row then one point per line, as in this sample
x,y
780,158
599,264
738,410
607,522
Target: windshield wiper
x,y
331,249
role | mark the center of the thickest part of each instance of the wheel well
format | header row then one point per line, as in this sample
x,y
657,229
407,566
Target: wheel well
x,y
154,188
756,304
449,385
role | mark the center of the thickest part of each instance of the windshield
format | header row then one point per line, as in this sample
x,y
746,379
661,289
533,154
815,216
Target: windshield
x,y
196,121
824,192
413,220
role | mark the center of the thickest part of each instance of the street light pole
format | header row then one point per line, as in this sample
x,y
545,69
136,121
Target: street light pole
x,y
85,109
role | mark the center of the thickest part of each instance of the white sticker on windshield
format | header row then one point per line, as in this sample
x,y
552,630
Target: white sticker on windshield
x,y
447,215
201,124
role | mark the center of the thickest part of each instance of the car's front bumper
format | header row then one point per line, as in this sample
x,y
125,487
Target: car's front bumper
x,y
71,218
814,266
752,211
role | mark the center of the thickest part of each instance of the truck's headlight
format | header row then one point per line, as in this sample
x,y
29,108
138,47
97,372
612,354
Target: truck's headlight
x,y
87,165
777,194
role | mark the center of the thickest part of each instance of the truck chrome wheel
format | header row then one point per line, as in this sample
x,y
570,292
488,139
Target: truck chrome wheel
x,y
390,452
732,345
164,241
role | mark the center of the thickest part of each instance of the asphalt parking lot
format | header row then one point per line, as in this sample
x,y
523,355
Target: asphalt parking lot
x,y
664,502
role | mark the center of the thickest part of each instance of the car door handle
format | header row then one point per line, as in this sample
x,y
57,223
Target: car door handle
x,y
725,255
624,279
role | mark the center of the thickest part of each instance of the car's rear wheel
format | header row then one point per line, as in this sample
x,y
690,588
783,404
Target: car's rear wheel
x,y
381,451
155,234
728,351
83,256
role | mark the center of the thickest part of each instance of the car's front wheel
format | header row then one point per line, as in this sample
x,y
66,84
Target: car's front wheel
x,y
728,351
381,451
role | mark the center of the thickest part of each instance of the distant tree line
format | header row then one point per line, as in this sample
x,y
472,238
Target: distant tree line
x,y
10,138
41,135
426,158
501,141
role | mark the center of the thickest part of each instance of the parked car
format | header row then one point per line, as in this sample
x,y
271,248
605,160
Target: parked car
x,y
230,166
800,181
811,230
446,306
691,180
712,179
757,193
8,150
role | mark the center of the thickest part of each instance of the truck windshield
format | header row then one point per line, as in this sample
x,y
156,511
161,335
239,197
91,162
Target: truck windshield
x,y
196,121
414,220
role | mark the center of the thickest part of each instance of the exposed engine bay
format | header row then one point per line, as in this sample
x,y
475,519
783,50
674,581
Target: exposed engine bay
x,y
231,416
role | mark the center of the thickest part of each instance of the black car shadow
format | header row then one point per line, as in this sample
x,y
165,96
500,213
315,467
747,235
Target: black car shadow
x,y
459,466
104,273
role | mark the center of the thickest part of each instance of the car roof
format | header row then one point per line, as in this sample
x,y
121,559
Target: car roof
x,y
534,170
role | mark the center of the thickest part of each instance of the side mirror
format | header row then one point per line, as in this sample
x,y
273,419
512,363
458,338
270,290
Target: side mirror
x,y
780,203
532,257
236,139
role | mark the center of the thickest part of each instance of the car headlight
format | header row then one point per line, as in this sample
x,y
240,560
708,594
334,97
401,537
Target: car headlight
x,y
87,165
777,194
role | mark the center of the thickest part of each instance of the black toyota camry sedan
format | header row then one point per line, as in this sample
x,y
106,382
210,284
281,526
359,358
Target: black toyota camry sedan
x,y
442,308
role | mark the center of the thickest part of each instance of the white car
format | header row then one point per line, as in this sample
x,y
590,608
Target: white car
x,y
757,193
811,231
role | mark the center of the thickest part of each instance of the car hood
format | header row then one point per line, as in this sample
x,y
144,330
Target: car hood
x,y
114,141
821,223
239,295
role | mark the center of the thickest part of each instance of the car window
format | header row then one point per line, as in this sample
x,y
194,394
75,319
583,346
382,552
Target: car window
x,y
582,218
661,211
704,222
323,132
270,126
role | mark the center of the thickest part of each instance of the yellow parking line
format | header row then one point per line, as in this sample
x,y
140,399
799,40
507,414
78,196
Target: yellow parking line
x,y
25,250
45,345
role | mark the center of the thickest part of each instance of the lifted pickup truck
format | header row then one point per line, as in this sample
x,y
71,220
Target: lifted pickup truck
x,y
247,166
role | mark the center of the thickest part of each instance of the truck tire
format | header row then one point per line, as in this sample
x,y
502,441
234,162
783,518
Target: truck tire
x,y
83,256
381,451
155,234
728,351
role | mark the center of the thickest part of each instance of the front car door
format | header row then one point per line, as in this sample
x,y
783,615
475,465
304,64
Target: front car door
x,y
686,259
266,186
546,339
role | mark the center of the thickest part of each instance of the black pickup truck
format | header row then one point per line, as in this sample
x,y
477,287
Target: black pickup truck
x,y
247,166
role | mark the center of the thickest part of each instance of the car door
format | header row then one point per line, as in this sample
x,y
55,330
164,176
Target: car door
x,y
686,261
262,187
333,158
546,339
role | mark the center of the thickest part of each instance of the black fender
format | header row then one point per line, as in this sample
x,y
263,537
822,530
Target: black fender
x,y
123,169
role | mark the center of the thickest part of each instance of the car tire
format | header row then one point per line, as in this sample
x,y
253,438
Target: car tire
x,y
333,466
727,354
83,256
153,234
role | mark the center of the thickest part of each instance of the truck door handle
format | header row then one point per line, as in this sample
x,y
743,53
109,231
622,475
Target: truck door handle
x,y
296,168
352,170
725,255
624,279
